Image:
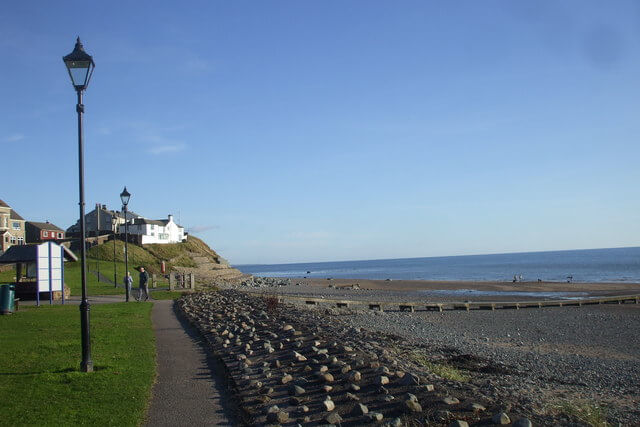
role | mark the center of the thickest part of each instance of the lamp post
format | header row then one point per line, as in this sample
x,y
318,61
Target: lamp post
x,y
124,197
114,225
80,66
97,241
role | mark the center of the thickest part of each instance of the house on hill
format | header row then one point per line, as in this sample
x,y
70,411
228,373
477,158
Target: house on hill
x,y
101,220
12,227
38,232
155,231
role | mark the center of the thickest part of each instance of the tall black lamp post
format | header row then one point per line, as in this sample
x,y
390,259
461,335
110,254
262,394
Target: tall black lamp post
x,y
124,197
80,66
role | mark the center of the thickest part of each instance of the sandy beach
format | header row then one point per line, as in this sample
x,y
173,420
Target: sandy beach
x,y
427,285
437,291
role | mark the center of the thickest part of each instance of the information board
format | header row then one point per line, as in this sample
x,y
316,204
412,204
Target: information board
x,y
50,265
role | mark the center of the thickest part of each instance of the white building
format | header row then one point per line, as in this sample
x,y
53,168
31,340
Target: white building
x,y
155,231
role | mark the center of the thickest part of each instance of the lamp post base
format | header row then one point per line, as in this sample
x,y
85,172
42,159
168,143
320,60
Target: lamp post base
x,y
87,364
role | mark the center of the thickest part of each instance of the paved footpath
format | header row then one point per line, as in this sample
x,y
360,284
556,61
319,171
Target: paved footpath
x,y
188,390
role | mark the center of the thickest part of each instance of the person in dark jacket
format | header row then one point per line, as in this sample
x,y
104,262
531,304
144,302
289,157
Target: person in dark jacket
x,y
144,287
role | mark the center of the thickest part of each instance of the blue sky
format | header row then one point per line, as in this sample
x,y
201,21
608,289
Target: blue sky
x,y
284,131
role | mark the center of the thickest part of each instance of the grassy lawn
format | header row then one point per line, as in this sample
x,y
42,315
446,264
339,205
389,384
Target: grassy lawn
x,y
166,294
39,366
7,276
72,277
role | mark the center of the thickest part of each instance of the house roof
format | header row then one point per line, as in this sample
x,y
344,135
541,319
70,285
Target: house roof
x,y
14,215
120,214
45,225
148,221
29,253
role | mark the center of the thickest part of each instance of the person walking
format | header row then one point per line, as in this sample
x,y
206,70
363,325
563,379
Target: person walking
x,y
144,279
128,282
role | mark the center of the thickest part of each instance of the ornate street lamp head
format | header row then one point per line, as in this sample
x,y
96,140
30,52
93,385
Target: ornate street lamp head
x,y
80,66
124,196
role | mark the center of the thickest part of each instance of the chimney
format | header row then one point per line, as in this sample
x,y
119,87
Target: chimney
x,y
170,218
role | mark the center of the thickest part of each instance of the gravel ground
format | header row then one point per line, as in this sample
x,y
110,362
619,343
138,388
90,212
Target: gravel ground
x,y
536,359
588,353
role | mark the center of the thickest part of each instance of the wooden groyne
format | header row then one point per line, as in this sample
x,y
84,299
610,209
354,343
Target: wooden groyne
x,y
461,305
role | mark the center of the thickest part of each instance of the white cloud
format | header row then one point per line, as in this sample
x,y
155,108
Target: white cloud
x,y
167,148
202,228
14,138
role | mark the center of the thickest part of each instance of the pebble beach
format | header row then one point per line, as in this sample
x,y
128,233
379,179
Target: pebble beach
x,y
559,365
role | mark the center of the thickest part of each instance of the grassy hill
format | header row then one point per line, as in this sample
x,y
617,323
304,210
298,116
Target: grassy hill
x,y
151,256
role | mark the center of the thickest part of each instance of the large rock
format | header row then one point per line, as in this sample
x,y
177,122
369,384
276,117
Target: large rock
x,y
333,418
410,379
412,406
329,405
354,376
360,410
501,418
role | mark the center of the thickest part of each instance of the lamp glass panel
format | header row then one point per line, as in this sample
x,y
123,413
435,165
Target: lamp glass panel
x,y
79,71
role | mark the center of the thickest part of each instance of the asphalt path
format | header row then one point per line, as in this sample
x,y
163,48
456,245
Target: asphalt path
x,y
189,391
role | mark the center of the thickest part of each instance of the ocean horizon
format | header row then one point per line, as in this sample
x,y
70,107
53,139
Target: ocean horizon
x,y
581,265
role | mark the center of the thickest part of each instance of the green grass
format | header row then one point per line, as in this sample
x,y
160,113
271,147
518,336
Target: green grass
x,y
138,256
72,277
443,370
39,366
585,412
7,276
166,294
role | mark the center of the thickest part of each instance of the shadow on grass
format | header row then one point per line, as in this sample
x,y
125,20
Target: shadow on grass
x,y
59,371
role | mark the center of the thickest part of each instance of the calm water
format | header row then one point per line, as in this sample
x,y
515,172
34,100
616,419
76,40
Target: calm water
x,y
591,265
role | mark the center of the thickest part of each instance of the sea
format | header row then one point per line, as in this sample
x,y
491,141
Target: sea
x,y
587,265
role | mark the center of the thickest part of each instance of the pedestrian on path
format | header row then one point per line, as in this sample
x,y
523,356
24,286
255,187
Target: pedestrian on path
x,y
144,279
128,282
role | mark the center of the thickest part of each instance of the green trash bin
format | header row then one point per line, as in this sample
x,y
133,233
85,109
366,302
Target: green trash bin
x,y
7,299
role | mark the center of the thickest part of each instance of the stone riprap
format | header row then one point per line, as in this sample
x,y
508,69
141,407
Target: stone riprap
x,y
294,366
264,282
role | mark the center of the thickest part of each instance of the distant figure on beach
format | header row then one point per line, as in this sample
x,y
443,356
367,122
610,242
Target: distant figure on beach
x,y
539,280
521,278
569,279
515,278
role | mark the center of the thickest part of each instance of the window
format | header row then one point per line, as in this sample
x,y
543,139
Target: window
x,y
153,226
15,225
21,240
59,235
153,234
13,240
163,236
45,234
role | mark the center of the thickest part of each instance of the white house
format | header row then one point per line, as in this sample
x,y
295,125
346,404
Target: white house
x,y
155,231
